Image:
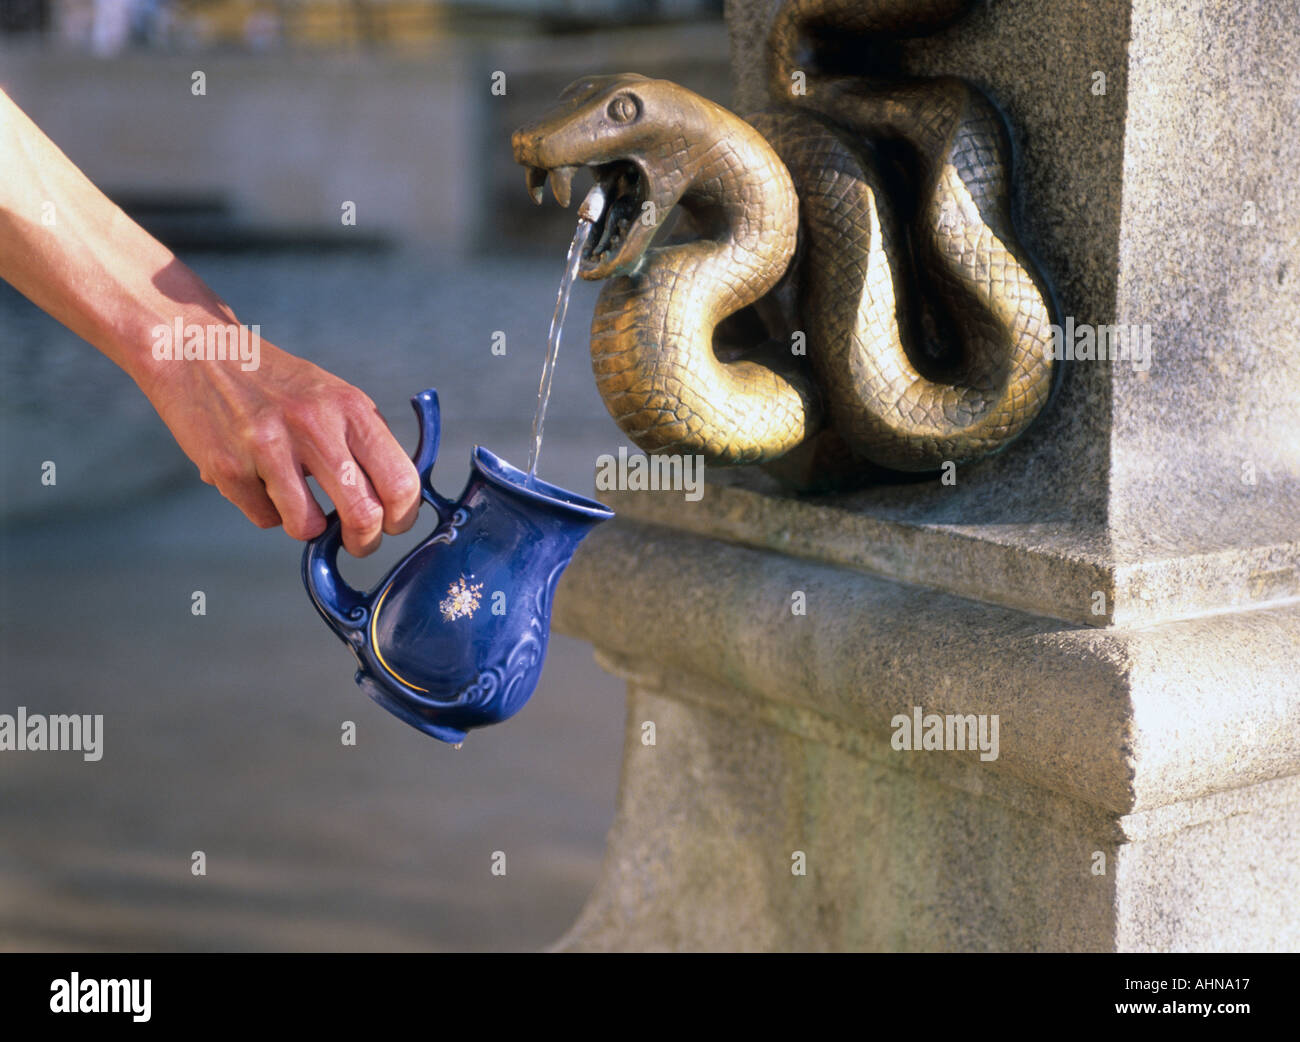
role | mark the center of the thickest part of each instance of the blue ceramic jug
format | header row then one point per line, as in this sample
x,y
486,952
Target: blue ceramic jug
x,y
453,637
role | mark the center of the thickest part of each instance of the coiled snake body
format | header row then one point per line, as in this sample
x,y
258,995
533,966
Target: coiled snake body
x,y
925,326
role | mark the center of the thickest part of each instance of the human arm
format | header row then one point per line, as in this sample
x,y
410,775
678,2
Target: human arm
x,y
254,434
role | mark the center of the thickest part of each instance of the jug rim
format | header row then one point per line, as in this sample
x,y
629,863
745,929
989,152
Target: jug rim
x,y
510,478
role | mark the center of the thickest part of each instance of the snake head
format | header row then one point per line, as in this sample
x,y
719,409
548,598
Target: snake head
x,y
629,132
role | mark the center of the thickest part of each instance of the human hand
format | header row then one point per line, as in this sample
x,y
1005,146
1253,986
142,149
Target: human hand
x,y
256,435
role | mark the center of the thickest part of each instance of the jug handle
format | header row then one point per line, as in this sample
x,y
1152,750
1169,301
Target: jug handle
x,y
344,608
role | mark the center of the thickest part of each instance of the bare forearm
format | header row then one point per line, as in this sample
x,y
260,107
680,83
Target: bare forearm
x,y
70,250
253,431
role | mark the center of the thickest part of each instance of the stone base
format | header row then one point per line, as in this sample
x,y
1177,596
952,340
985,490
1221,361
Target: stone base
x,y
1144,796
900,858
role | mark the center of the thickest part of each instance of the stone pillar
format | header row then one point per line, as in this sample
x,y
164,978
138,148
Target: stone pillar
x,y
1121,587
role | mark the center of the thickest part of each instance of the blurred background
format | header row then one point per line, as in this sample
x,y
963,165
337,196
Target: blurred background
x,y
222,731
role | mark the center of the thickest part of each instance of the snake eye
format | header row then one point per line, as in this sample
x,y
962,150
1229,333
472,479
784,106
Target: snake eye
x,y
624,108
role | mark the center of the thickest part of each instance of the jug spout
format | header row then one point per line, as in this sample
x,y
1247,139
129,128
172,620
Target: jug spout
x,y
579,513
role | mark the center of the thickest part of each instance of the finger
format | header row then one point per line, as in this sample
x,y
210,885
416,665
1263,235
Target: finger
x,y
250,497
235,479
287,489
392,474
360,512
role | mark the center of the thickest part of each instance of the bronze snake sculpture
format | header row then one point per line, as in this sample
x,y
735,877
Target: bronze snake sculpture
x,y
925,325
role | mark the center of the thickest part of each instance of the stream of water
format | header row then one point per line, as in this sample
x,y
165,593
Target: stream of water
x,y
588,213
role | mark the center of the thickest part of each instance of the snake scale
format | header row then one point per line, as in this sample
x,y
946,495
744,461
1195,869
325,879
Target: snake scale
x,y
867,225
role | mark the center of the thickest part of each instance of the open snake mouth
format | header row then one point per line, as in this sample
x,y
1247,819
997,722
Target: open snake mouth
x,y
619,238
